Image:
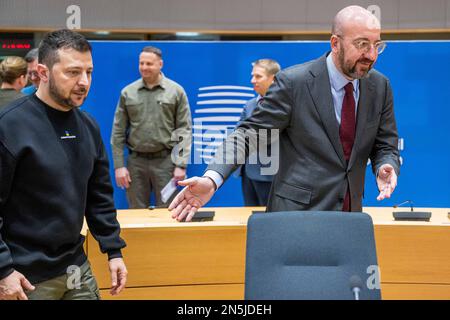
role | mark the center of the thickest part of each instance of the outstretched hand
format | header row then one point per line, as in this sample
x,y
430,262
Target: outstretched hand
x,y
197,192
386,181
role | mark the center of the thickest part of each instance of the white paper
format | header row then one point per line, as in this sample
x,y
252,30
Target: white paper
x,y
168,190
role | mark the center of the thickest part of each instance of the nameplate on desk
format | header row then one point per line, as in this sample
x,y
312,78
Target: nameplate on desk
x,y
258,211
200,216
411,216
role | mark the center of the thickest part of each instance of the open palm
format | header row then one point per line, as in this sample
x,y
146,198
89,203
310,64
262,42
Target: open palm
x,y
386,181
197,192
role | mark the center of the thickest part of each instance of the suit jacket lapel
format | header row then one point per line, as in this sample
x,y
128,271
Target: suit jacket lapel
x,y
320,89
364,105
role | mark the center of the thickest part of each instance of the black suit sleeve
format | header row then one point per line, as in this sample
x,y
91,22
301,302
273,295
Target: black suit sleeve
x,y
273,113
385,148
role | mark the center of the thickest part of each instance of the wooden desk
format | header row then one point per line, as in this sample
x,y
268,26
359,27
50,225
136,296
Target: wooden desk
x,y
206,260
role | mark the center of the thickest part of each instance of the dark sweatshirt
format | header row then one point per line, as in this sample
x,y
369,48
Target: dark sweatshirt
x,y
54,171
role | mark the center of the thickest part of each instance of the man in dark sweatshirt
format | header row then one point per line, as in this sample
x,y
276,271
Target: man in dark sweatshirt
x,y
54,172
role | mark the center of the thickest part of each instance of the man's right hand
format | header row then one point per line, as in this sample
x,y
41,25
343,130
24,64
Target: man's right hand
x,y
123,178
12,287
197,192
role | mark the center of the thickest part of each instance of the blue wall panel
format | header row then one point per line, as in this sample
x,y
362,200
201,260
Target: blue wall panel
x,y
418,72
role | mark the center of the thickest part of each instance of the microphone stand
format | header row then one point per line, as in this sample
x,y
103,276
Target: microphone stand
x,y
410,215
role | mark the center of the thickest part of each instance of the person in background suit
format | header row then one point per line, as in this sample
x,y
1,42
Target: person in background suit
x,y
32,61
333,114
255,185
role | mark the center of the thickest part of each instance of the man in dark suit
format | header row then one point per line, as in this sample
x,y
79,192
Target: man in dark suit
x,y
255,185
333,114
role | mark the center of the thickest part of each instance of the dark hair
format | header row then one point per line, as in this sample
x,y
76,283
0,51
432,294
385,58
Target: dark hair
x,y
32,55
154,50
60,39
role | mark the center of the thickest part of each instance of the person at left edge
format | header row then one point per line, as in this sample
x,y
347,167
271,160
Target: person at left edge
x,y
54,173
13,77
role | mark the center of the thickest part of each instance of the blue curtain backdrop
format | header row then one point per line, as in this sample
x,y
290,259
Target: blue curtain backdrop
x,y
211,71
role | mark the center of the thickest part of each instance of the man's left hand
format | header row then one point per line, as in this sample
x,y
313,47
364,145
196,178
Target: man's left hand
x,y
179,174
118,275
386,181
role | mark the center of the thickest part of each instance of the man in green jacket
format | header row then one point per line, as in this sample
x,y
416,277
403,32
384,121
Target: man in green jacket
x,y
152,117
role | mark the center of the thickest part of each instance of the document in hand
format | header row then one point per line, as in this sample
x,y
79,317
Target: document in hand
x,y
168,190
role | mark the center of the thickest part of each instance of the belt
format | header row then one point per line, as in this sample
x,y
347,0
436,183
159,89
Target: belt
x,y
152,155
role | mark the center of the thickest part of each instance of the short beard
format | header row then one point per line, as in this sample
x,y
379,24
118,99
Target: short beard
x,y
349,70
56,95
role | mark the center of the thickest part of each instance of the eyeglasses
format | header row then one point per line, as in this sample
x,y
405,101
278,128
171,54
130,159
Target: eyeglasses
x,y
33,75
365,46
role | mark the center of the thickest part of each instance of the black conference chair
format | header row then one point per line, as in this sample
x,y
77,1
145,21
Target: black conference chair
x,y
302,255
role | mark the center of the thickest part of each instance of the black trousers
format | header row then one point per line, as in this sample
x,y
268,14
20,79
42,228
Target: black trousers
x,y
256,193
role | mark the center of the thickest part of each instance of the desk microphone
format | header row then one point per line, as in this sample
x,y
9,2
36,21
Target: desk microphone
x,y
410,215
404,202
355,286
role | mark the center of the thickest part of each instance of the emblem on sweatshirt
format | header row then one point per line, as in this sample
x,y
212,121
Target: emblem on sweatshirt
x,y
67,135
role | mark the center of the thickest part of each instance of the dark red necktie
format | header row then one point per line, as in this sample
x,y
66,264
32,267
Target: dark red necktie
x,y
347,131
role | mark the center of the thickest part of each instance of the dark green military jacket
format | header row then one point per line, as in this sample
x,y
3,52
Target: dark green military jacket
x,y
151,120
